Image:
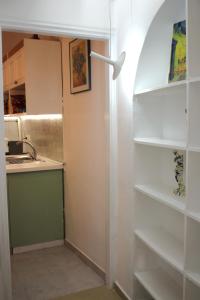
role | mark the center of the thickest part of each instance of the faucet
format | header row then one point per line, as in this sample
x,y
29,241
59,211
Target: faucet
x,y
34,154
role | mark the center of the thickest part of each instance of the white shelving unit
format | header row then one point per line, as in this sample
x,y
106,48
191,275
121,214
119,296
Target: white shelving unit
x,y
160,89
192,291
167,119
161,195
159,284
152,112
156,276
164,244
162,143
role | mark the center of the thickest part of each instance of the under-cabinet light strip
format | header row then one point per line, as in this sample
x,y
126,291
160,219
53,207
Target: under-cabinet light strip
x,y
42,117
9,118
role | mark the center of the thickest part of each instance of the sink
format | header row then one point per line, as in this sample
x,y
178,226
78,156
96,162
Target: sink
x,y
20,159
10,160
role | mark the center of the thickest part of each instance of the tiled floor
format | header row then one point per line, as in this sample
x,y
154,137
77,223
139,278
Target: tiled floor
x,y
100,293
50,273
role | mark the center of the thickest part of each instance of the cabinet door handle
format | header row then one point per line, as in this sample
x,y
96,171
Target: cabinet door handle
x,y
15,82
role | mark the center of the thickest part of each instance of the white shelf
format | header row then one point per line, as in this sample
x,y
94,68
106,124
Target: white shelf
x,y
192,291
169,144
162,195
194,148
193,215
161,119
159,285
165,245
161,88
194,277
194,79
193,205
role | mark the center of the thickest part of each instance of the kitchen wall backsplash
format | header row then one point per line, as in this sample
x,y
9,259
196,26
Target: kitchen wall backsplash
x,y
45,133
12,128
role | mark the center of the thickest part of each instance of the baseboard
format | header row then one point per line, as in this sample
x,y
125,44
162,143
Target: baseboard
x,y
33,247
86,259
120,291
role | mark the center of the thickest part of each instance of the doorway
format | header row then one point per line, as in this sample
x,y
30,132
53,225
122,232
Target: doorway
x,y
84,192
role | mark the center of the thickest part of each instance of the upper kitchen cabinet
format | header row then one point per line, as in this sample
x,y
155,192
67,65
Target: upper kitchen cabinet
x,y
33,78
6,76
43,76
16,69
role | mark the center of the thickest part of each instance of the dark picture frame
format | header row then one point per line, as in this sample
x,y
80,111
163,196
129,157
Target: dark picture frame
x,y
80,66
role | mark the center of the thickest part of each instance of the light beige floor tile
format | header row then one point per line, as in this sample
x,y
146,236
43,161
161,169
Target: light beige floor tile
x,y
50,273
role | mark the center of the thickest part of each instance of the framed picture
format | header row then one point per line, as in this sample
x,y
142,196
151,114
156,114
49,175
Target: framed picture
x,y
80,66
178,53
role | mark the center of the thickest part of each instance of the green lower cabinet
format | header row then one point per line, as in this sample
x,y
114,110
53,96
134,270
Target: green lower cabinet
x,y
35,201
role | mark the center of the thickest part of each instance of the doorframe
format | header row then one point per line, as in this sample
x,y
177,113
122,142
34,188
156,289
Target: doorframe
x,y
5,271
111,133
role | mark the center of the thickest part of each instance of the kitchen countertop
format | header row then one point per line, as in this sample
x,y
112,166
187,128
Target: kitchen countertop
x,y
40,165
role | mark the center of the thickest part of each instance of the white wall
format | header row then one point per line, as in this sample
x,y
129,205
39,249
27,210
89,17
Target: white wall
x,y
80,15
131,19
85,158
5,280
90,17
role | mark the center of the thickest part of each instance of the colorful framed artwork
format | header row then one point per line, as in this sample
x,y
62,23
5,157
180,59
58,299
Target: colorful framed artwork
x,y
80,66
178,53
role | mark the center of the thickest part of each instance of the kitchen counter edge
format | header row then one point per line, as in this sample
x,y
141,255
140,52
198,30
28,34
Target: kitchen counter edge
x,y
45,164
